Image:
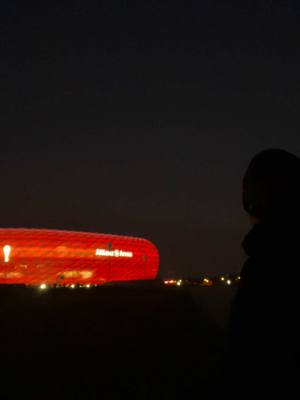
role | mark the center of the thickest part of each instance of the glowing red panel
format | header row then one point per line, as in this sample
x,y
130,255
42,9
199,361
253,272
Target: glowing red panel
x,y
35,256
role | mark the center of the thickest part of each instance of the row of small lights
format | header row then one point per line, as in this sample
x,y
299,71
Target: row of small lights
x,y
204,282
171,282
44,286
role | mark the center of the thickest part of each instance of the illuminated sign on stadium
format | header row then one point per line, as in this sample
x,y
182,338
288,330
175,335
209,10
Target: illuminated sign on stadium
x,y
113,253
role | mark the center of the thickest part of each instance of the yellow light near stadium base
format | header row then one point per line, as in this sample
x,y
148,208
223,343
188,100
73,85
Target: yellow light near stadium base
x,y
43,286
7,252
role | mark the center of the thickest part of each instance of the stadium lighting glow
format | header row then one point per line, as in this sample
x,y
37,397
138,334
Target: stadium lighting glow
x,y
178,283
55,257
72,286
88,286
228,282
43,286
7,252
222,278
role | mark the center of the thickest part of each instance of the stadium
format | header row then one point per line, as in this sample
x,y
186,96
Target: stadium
x,y
53,257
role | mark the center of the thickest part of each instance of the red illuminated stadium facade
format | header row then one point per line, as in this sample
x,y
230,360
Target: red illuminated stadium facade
x,y
52,257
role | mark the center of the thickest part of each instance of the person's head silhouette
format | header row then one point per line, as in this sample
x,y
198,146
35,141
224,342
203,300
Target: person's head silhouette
x,y
271,186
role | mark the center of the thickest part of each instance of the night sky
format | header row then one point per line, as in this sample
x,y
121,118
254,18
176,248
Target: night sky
x,y
140,117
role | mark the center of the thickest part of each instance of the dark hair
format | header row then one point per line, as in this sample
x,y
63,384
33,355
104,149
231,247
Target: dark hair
x,y
271,185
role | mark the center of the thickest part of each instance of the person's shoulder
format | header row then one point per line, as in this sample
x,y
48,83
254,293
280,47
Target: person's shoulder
x,y
253,268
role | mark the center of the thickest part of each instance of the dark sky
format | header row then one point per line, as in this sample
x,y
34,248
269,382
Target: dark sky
x,y
140,117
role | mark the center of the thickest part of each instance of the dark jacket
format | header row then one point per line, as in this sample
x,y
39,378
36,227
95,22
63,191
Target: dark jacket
x,y
263,349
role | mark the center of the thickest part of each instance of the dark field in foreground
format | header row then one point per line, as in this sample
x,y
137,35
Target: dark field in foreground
x,y
111,342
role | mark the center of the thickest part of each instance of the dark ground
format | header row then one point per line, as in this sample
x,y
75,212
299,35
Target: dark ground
x,y
112,342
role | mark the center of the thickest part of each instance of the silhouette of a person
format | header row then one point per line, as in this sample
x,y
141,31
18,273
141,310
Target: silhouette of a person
x,y
263,328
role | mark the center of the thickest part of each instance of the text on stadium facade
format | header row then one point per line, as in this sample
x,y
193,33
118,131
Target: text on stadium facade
x,y
114,253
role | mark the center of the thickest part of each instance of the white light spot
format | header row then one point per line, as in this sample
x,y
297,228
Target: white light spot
x,y
43,286
7,251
